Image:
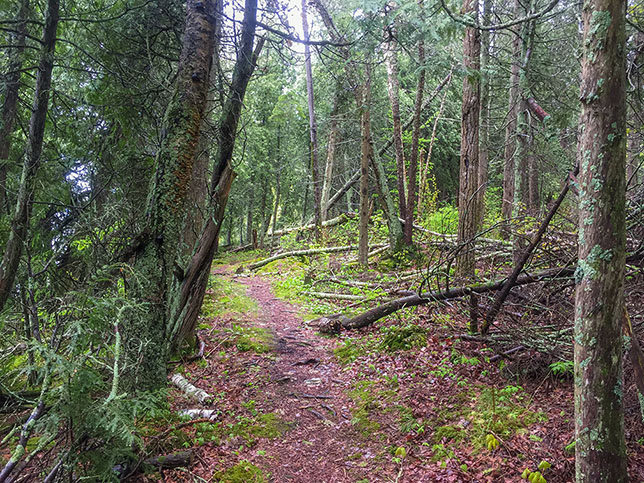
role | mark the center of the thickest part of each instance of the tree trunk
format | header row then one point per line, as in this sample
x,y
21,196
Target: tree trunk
x,y
249,214
189,290
313,129
22,213
412,181
351,72
365,148
599,303
468,185
276,204
330,152
484,130
507,206
523,137
9,111
634,143
391,60
145,333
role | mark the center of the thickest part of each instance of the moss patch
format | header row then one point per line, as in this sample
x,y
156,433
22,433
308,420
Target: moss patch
x,y
225,296
475,415
403,338
242,472
248,338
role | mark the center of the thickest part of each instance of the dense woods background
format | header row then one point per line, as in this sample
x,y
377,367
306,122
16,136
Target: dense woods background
x,y
477,147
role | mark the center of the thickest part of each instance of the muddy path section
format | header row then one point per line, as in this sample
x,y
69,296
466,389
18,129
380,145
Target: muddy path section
x,y
285,404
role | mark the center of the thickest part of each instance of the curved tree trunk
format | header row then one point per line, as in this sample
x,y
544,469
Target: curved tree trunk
x,y
157,262
190,289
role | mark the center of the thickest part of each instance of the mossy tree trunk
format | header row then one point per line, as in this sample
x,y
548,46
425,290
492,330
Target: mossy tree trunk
x,y
158,263
599,423
188,292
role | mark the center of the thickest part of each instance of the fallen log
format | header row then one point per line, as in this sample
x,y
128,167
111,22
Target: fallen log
x,y
199,413
311,251
376,313
192,391
338,220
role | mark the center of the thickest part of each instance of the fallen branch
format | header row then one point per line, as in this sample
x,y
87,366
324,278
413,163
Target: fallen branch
x,y
192,391
296,253
370,316
338,296
525,256
338,220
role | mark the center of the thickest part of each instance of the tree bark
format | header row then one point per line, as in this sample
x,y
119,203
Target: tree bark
x,y
365,148
518,268
412,180
313,129
330,152
468,185
484,138
599,303
507,206
145,334
189,290
351,72
12,88
22,213
297,253
393,87
372,315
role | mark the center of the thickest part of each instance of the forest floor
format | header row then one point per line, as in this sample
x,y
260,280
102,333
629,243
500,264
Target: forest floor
x,y
408,401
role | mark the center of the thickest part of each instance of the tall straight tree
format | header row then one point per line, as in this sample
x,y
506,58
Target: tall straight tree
x,y
412,179
313,128
32,159
365,153
507,204
484,137
599,303
468,177
10,102
393,88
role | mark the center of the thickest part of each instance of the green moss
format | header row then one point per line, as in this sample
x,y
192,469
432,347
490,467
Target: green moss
x,y
449,432
368,401
242,472
349,351
403,338
253,339
498,411
268,426
226,297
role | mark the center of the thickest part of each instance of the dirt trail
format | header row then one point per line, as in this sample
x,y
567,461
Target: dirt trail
x,y
298,381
